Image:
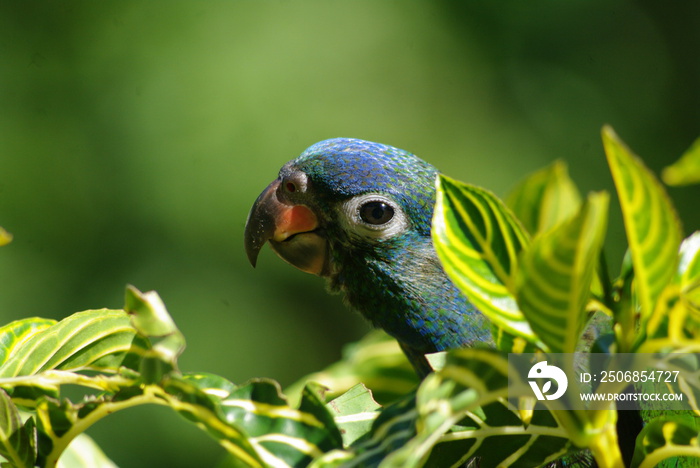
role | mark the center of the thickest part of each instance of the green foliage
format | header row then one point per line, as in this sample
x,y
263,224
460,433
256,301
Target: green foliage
x,y
537,272
652,226
556,274
545,198
687,169
478,241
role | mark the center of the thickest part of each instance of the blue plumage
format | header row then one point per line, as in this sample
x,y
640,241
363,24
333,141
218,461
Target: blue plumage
x,y
359,214
344,167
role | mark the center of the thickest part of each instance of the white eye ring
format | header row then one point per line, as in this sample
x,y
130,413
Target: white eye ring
x,y
351,216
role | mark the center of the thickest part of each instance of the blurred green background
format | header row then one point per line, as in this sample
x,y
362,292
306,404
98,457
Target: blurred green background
x,y
134,137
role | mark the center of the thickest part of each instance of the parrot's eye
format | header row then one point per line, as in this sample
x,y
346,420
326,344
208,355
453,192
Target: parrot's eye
x,y
376,212
373,216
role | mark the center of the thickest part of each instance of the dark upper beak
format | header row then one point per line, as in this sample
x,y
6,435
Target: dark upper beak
x,y
290,229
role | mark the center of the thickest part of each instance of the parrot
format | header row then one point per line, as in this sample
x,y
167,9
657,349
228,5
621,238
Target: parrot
x,y
358,214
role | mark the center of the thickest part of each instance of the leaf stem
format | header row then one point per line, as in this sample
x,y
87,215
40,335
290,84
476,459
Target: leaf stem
x,y
606,451
61,443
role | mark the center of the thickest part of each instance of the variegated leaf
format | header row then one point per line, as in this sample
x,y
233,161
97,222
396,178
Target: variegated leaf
x,y
651,223
14,334
91,340
47,355
545,198
556,272
279,435
668,437
471,390
198,399
675,321
392,429
478,241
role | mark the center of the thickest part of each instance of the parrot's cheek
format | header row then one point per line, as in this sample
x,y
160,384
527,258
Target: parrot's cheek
x,y
307,251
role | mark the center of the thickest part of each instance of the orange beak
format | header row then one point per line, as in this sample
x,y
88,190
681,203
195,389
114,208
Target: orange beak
x,y
290,229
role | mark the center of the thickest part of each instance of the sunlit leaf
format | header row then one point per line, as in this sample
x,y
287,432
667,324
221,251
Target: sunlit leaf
x,y
686,170
666,437
478,241
651,223
83,452
689,272
14,334
545,198
556,272
689,262
95,340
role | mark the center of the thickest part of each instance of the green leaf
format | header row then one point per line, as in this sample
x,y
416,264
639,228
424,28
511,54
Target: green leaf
x,y
253,422
151,319
258,424
471,390
478,241
14,334
148,313
686,170
689,261
280,433
392,429
83,452
17,441
672,326
204,407
652,226
556,272
59,422
666,437
375,361
689,272
354,413
5,237
545,198
99,340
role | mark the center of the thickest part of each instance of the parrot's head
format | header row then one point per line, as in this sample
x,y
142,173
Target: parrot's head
x,y
359,214
342,195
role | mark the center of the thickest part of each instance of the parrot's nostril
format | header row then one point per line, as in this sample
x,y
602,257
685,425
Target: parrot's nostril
x,y
294,182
